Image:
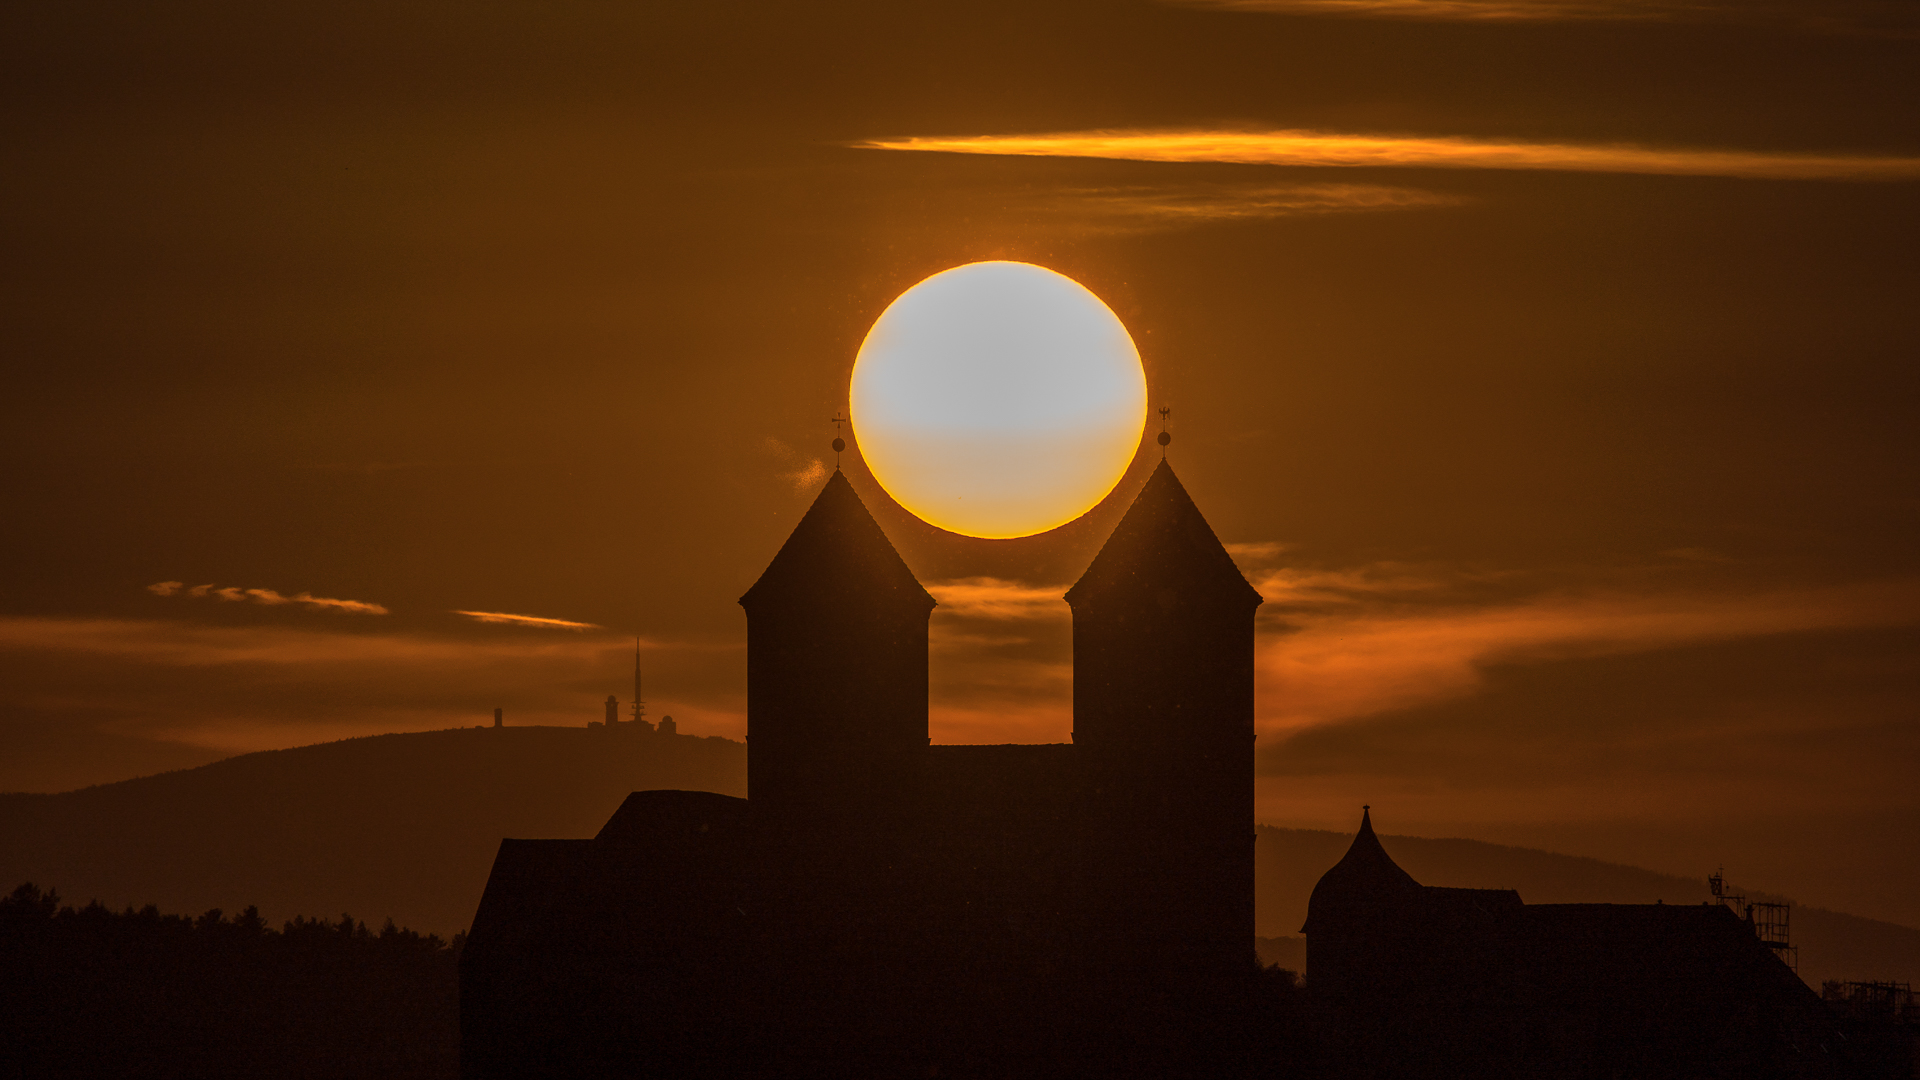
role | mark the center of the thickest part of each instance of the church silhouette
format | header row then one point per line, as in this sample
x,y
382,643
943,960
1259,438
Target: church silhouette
x,y
880,906
1417,981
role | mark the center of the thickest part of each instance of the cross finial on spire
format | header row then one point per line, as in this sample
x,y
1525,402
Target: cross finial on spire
x,y
1165,438
839,443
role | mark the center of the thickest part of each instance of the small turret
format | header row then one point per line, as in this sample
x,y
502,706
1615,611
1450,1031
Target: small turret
x,y
1365,881
1365,917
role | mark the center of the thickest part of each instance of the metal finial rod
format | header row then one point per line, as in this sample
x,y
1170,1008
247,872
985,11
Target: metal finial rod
x,y
1165,438
839,443
639,703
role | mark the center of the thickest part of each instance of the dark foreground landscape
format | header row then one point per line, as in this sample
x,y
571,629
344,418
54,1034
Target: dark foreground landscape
x,y
93,992
101,982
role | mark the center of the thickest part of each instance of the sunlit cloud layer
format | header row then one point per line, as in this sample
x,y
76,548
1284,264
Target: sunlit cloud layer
x,y
1836,15
535,621
1325,149
1475,10
1334,647
993,598
1351,643
1144,208
1001,662
1344,644
269,597
238,689
183,644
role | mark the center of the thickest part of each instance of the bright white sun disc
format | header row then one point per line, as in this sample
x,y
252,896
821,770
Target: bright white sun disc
x,y
998,399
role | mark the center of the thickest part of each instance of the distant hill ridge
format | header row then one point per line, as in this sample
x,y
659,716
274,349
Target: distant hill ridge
x,y
407,826
390,825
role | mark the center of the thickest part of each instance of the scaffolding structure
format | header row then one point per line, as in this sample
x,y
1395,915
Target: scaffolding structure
x,y
1768,919
1887,1000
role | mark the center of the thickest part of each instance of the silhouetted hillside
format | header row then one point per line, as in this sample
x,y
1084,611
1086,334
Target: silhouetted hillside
x,y
408,825
400,825
1832,945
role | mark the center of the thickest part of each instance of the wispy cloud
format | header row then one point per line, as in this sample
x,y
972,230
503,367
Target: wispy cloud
x,y
993,598
235,689
364,468
804,472
504,618
1009,721
1345,643
1473,10
1300,148
268,597
1001,662
1145,208
1362,642
1869,16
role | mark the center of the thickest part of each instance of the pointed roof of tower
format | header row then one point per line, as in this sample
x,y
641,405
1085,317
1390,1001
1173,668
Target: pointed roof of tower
x,y
1361,883
1163,539
838,553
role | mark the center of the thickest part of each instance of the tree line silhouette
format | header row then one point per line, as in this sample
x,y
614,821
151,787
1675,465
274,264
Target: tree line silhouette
x,y
90,991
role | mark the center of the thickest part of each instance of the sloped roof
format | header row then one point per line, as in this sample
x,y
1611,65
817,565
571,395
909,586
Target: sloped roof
x,y
660,816
528,892
1362,880
1163,540
838,553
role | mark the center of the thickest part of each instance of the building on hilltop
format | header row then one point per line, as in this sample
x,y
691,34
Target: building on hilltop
x,y
638,720
1420,981
883,906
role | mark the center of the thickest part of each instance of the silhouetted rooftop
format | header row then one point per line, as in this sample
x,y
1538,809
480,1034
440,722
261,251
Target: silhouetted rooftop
x,y
838,553
1362,878
1163,541
659,816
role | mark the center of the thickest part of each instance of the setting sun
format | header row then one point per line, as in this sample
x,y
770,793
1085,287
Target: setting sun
x,y
998,399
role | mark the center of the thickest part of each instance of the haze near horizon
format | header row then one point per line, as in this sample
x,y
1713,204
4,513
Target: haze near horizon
x,y
374,370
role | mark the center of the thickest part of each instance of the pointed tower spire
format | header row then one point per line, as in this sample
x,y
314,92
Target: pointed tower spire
x,y
1163,551
1163,717
836,667
839,557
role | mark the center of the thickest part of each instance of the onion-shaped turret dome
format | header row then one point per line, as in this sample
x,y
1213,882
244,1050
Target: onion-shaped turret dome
x,y
1364,885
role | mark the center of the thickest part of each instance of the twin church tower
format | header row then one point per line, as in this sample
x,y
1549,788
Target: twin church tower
x,y
880,905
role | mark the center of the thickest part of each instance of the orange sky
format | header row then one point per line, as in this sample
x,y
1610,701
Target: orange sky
x,y
1548,365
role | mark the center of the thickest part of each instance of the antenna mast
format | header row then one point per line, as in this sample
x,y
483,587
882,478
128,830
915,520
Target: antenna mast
x,y
639,703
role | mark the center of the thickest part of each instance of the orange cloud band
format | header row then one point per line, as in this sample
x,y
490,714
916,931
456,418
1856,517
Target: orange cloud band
x,y
1323,149
993,598
264,596
243,688
527,620
1876,17
1477,10
1372,657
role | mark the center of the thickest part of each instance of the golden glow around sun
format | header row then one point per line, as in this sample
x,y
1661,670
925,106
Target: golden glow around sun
x,y
998,399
